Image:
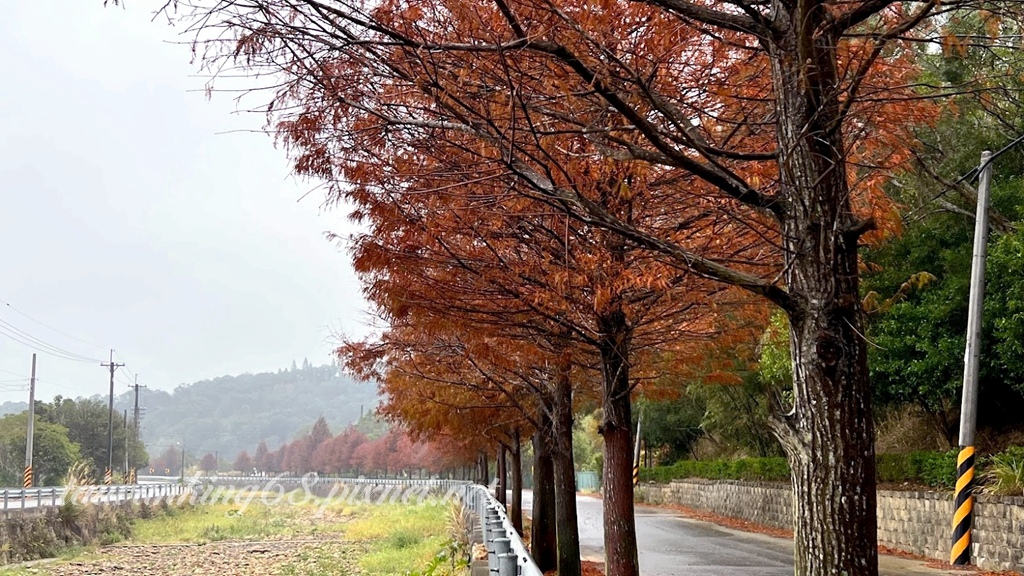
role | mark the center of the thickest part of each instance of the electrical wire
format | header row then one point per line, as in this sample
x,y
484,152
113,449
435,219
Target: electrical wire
x,y
66,335
972,173
127,370
59,385
51,351
19,335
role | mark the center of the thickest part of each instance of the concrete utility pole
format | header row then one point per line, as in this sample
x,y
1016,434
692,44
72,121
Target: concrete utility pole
x,y
31,425
124,425
132,471
960,554
107,477
135,415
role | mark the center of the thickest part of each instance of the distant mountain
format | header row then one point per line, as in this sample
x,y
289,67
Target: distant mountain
x,y
233,413
13,408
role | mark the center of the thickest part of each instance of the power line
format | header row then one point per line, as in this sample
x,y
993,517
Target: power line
x,y
59,385
126,369
18,335
66,335
42,342
970,175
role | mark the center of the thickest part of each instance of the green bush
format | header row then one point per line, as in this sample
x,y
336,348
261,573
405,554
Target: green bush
x,y
936,469
1005,472
754,469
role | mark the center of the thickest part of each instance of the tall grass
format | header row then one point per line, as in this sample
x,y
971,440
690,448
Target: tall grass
x,y
403,539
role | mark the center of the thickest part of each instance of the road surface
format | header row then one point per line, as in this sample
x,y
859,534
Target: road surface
x,y
673,545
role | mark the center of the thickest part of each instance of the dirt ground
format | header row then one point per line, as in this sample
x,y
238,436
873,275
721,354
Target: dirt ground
x,y
228,558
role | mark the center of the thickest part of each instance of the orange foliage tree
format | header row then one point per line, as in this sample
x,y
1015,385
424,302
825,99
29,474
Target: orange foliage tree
x,y
770,125
462,287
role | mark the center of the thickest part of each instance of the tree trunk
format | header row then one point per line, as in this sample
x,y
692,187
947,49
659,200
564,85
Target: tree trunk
x,y
543,541
828,434
567,528
515,511
616,428
500,490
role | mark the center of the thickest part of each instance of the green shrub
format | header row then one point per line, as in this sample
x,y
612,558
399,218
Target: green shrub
x,y
892,467
1005,474
755,469
935,469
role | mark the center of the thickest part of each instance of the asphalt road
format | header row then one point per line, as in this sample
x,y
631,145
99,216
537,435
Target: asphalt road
x,y
673,545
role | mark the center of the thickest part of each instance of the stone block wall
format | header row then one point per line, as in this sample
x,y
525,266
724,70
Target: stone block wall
x,y
915,522
768,503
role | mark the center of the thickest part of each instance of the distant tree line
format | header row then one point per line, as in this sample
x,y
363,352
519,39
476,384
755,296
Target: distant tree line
x,y
67,431
368,448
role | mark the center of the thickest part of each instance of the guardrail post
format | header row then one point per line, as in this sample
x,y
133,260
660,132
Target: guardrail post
x,y
53,494
499,546
495,532
5,499
487,520
508,565
23,498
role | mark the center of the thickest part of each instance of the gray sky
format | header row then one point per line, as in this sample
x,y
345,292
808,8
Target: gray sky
x,y
134,215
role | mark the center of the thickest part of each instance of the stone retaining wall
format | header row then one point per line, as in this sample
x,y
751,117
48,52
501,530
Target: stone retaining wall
x,y
915,522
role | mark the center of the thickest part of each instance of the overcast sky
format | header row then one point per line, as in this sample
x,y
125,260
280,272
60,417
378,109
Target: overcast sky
x,y
140,216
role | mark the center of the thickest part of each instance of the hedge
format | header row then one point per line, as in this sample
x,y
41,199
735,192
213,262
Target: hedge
x,y
764,469
936,469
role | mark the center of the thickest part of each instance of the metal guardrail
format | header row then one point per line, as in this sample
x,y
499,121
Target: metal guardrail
x,y
506,553
325,479
23,498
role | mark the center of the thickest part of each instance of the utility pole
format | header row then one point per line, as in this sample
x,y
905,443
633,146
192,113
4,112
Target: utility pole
x,y
108,476
124,425
960,554
182,461
31,425
132,472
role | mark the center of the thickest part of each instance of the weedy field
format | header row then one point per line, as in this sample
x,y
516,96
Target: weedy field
x,y
308,539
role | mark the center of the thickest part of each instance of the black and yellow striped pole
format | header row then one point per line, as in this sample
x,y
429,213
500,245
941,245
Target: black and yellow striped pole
x,y
960,552
108,477
636,452
28,477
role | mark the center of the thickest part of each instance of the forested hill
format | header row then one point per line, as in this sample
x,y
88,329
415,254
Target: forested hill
x,y
13,408
233,413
